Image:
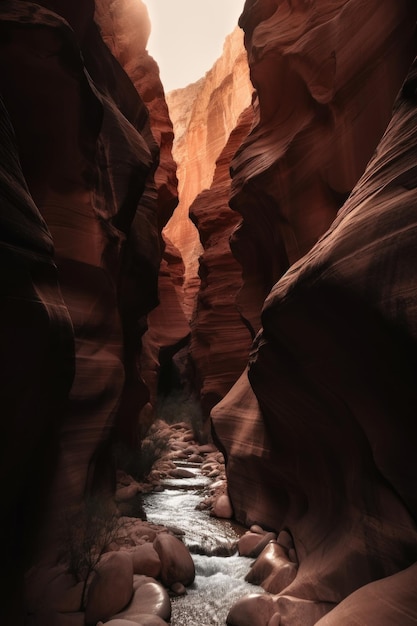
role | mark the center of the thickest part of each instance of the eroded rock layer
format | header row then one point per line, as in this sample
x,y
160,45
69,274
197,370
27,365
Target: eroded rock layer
x,y
204,114
318,68
320,431
220,339
86,198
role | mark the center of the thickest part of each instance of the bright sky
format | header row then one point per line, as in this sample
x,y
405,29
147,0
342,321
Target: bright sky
x,y
187,36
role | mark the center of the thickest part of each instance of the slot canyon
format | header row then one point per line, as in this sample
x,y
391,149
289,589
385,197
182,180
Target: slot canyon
x,y
222,277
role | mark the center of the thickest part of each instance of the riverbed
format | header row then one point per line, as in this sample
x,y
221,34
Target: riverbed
x,y
220,571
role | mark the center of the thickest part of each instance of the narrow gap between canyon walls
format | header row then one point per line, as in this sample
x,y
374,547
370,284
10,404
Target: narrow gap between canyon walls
x,y
208,420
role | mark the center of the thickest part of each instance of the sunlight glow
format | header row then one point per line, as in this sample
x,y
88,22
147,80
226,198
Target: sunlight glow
x,y
187,36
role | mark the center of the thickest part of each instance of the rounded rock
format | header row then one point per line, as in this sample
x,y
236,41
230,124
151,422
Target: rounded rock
x,y
251,544
111,588
223,507
145,560
176,562
150,598
252,610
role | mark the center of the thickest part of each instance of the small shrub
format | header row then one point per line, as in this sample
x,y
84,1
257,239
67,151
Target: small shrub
x,y
152,448
89,532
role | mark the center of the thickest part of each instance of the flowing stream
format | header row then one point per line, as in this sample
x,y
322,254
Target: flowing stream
x,y
220,571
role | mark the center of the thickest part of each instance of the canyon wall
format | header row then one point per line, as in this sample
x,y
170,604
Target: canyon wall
x,y
166,327
204,114
319,430
220,340
84,205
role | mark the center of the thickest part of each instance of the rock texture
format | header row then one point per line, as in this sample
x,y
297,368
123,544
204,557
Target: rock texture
x,y
204,114
80,189
319,433
318,70
125,27
220,338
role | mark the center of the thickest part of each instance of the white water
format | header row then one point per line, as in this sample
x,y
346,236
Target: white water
x,y
219,580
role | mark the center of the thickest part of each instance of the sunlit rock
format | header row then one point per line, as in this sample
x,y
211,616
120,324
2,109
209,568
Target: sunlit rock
x,y
251,544
204,114
252,610
150,598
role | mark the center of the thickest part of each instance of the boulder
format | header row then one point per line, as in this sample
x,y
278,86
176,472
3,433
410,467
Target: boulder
x,y
145,560
149,598
180,472
252,610
252,544
176,562
111,588
223,507
272,569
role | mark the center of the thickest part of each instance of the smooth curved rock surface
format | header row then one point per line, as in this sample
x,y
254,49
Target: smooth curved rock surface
x,y
88,160
37,364
150,598
125,28
177,564
111,587
220,340
334,371
326,75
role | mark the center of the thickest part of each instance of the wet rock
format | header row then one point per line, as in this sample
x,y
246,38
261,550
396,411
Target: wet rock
x,y
252,610
178,589
223,507
111,588
252,544
176,562
150,598
272,570
285,540
180,472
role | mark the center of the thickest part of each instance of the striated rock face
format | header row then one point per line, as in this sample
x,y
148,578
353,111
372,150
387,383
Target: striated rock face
x,y
320,431
318,68
125,28
85,197
220,339
169,330
204,114
37,365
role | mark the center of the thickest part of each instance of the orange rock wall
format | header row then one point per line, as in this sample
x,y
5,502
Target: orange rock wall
x,y
204,114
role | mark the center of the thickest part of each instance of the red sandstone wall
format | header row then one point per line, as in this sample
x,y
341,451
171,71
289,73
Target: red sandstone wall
x,y
319,431
88,199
